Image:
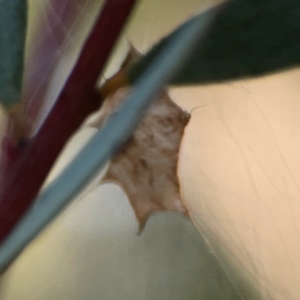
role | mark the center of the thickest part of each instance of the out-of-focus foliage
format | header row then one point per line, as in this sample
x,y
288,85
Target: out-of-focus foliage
x,y
248,39
54,26
12,42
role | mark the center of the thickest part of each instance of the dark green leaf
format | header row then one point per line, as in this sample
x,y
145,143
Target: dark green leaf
x,y
250,38
13,17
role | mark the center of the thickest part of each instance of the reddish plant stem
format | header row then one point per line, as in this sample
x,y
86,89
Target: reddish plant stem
x,y
76,101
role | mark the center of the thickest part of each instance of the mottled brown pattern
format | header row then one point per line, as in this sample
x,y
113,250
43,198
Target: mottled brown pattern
x,y
146,166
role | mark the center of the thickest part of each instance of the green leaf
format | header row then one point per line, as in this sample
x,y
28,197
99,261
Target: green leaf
x,y
248,39
13,19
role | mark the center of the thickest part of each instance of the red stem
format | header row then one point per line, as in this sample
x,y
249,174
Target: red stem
x,y
76,101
